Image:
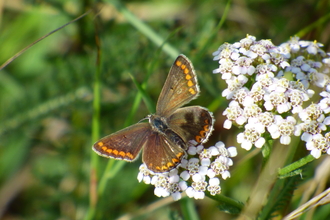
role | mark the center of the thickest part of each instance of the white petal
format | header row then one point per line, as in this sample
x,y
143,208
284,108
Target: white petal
x,y
140,177
192,150
310,145
306,137
285,140
190,192
241,120
247,145
214,151
184,163
205,162
183,185
176,196
210,173
147,180
316,153
185,175
297,130
268,106
230,162
214,181
158,191
197,177
240,138
154,179
328,151
199,195
219,144
260,142
200,148
232,151
202,170
174,179
327,120
225,175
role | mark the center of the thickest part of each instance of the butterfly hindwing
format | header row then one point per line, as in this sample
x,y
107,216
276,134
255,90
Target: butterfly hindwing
x,y
162,153
192,123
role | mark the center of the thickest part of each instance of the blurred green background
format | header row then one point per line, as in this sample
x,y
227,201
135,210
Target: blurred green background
x,y
46,95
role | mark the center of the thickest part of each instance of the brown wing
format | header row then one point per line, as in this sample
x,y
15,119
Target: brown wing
x,y
124,144
161,153
180,87
192,123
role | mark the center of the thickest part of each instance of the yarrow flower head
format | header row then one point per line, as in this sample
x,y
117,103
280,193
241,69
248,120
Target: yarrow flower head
x,y
270,89
199,172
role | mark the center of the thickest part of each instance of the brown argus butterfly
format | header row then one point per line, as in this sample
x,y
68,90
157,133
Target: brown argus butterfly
x,y
164,139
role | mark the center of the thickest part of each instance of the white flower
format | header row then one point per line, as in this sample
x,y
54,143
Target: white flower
x,y
283,128
277,100
317,145
325,102
251,136
234,113
312,112
214,186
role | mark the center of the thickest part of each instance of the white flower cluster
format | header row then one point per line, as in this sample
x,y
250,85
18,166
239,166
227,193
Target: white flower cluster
x,y
195,175
272,89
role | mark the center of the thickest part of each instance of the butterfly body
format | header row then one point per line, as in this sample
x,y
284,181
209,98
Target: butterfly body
x,y
164,138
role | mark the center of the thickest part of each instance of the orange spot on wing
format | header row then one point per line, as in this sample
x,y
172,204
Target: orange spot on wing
x,y
188,77
174,160
202,133
115,152
190,83
198,139
192,91
122,154
130,156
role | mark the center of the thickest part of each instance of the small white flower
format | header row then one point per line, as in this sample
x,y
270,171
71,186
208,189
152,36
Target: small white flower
x,y
317,145
234,113
251,136
283,128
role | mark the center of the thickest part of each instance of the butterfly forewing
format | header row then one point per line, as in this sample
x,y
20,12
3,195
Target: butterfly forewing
x,y
161,154
192,123
180,87
124,144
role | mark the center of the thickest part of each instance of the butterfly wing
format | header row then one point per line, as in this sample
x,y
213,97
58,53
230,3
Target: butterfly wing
x,y
161,153
124,144
180,87
192,123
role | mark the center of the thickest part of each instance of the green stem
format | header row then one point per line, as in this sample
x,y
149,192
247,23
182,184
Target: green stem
x,y
188,209
93,195
296,165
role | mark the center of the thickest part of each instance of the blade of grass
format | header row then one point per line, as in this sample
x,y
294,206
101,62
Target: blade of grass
x,y
93,196
145,29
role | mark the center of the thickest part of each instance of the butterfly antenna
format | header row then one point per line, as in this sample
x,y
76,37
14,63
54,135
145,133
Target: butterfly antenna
x,y
145,118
